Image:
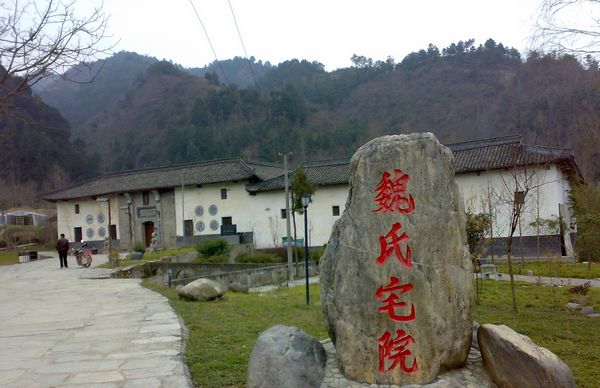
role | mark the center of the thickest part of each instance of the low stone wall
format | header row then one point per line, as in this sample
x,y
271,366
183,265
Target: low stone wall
x,y
252,275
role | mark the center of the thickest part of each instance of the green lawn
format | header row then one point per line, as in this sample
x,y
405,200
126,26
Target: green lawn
x,y
223,333
544,318
11,256
555,268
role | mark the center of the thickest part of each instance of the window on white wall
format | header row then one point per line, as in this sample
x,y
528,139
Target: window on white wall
x,y
223,193
335,210
76,208
283,214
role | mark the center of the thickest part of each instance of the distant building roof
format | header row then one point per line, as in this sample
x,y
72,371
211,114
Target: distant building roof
x,y
472,156
319,173
213,171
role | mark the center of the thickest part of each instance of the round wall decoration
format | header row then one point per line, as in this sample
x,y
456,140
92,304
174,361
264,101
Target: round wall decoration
x,y
100,218
89,232
214,225
101,231
89,219
200,226
199,210
212,210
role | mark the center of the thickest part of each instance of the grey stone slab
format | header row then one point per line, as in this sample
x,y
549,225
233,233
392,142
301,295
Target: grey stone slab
x,y
61,330
169,338
151,382
80,366
171,327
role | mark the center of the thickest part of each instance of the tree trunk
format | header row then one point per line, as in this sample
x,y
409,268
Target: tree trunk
x,y
294,222
510,273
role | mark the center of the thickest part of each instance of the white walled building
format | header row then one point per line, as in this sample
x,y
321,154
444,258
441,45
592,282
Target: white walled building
x,y
245,202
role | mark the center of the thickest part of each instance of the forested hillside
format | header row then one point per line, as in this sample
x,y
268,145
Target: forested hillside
x,y
36,149
89,86
166,115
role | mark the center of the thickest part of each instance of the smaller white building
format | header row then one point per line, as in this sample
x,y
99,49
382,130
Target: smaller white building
x,y
244,201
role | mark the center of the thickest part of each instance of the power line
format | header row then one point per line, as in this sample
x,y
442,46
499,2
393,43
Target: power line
x,y
242,42
209,42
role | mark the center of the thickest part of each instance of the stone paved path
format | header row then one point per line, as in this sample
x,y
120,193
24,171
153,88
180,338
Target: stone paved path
x,y
63,328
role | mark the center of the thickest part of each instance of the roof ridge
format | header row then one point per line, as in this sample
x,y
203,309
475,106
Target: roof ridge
x,y
324,162
508,139
261,163
171,166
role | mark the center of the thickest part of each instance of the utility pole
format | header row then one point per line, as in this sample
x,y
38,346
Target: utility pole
x,y
287,214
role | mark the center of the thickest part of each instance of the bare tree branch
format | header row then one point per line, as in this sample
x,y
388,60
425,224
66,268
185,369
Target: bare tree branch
x,y
568,27
39,39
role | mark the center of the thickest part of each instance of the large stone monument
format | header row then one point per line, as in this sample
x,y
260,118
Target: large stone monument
x,y
396,277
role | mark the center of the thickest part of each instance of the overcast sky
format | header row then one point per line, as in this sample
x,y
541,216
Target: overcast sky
x,y
328,31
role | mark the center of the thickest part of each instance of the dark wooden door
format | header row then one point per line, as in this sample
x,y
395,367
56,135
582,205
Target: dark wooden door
x,y
148,230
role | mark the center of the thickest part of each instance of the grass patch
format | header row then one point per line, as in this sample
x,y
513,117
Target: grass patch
x,y
544,318
11,256
223,333
555,268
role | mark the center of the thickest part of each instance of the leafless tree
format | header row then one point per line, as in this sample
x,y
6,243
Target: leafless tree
x,y
569,27
517,185
43,38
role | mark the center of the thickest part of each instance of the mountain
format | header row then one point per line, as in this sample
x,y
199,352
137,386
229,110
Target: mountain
x,y
462,92
36,151
85,88
238,71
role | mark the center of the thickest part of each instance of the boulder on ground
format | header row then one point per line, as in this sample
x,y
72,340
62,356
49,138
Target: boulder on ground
x,y
286,356
514,360
396,277
202,289
238,287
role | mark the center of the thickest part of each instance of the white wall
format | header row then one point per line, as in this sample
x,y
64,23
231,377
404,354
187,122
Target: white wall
x,y
270,227
549,189
260,213
235,206
67,219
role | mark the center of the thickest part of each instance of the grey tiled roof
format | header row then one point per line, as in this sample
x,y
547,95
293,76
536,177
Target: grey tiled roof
x,y
502,152
215,171
319,173
472,156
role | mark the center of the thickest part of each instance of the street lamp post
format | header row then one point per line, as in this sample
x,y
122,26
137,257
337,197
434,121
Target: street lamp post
x,y
107,200
305,202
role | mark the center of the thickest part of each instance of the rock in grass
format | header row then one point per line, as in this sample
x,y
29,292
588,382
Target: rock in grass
x,y
514,360
238,287
286,356
396,277
202,289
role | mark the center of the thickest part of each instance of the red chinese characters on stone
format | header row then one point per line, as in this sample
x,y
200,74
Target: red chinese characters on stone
x,y
393,352
391,194
390,243
391,302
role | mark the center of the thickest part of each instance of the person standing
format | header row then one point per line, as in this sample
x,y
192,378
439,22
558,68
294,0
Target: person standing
x,y
62,246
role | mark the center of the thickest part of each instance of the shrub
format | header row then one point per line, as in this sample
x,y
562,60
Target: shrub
x,y
139,247
316,253
214,247
212,259
582,289
258,258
